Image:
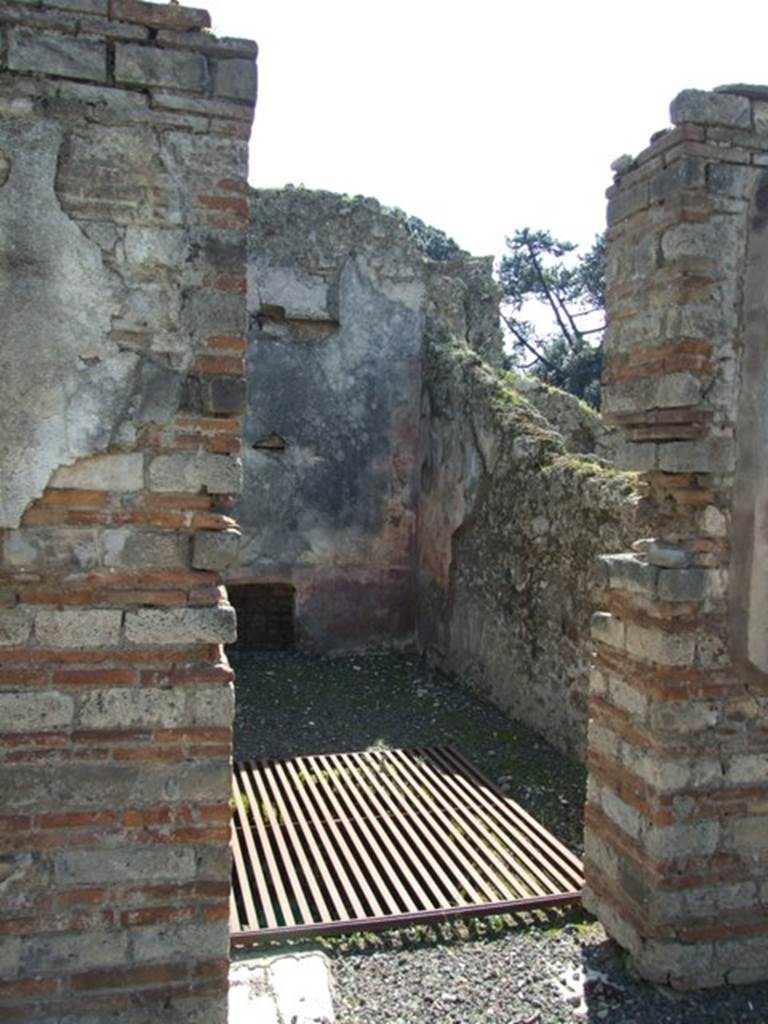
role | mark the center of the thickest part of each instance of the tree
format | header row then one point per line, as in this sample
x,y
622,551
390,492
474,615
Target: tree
x,y
540,270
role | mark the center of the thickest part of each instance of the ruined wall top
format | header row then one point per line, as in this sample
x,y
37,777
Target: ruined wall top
x,y
312,233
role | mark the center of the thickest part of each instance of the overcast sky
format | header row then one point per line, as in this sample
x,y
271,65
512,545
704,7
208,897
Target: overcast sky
x,y
479,117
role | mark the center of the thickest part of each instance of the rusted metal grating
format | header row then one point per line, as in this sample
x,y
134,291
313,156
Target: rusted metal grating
x,y
383,838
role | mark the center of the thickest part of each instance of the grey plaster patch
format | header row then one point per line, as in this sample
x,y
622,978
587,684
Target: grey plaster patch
x,y
63,384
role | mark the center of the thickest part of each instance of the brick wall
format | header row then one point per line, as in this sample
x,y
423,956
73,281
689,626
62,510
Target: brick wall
x,y
123,206
677,813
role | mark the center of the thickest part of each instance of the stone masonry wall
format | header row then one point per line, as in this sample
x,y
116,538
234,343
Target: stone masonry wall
x,y
337,292
677,813
509,526
123,206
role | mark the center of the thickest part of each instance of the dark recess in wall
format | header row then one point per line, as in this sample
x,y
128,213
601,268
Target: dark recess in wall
x,y
264,615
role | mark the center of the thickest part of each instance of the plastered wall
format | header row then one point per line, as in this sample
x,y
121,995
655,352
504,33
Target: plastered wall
x,y
123,207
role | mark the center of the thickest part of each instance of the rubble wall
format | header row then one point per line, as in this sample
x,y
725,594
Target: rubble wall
x,y
510,522
123,207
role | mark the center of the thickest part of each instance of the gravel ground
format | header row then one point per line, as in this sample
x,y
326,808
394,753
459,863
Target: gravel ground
x,y
551,968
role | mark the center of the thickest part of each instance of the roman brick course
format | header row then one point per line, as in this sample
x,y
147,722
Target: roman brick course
x,y
116,700
676,812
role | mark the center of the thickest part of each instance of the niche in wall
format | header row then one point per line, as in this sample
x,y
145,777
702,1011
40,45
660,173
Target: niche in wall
x,y
265,615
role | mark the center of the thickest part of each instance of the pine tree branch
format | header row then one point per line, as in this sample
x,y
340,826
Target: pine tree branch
x,y
513,329
550,298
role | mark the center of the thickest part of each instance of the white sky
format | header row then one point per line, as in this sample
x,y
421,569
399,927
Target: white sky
x,y
479,117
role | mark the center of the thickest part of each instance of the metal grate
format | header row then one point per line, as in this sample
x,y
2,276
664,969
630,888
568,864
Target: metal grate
x,y
384,838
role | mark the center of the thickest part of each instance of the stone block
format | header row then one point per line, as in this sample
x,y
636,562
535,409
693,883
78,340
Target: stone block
x,y
225,395
65,549
35,711
145,65
629,698
15,627
10,955
710,240
192,473
637,457
86,627
626,201
620,812
181,942
235,80
53,54
145,549
99,7
631,573
118,472
710,455
663,961
169,17
668,556
60,953
657,646
160,389
682,584
749,769
208,312
683,718
683,174
682,841
169,708
160,626
80,867
215,549
695,105
607,629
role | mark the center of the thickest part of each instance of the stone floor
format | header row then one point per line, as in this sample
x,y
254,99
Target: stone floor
x,y
293,988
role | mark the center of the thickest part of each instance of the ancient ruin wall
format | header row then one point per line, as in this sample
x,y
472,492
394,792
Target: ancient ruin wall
x,y
677,832
337,293
123,204
510,523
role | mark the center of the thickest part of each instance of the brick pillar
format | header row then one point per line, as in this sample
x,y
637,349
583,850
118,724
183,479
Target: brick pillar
x,y
123,207
677,812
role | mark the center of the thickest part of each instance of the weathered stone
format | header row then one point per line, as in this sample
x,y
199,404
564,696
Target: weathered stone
x,y
628,572
35,712
224,396
136,549
65,550
657,646
15,627
682,584
235,79
160,16
710,108
68,56
57,953
668,556
86,627
91,867
149,708
145,65
160,626
216,474
608,629
103,473
711,455
216,549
